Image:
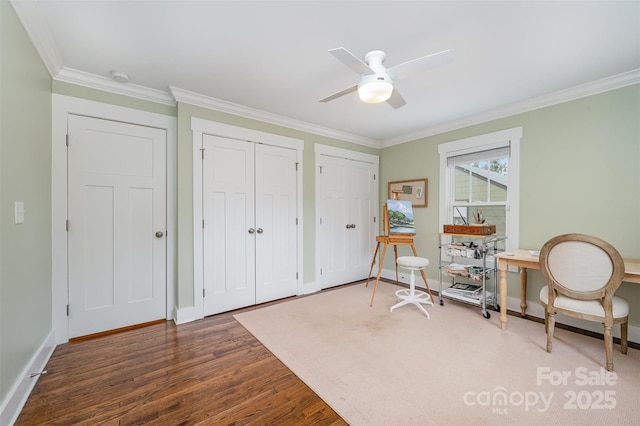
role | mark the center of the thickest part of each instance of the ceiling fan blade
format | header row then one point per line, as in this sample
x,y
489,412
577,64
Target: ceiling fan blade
x,y
341,93
350,60
396,100
421,64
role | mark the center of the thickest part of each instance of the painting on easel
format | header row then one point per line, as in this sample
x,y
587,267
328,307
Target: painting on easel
x,y
400,217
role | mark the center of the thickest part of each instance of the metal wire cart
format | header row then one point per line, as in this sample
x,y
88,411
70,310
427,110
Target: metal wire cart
x,y
469,263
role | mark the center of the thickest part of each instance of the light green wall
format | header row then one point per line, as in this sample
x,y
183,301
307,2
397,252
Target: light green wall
x,y
25,175
579,172
185,185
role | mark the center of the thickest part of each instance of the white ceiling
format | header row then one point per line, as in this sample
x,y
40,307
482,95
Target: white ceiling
x,y
269,59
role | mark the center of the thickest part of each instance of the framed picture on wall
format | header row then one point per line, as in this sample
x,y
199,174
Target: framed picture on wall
x,y
414,190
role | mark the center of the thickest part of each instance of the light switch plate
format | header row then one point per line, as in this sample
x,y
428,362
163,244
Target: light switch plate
x,y
19,212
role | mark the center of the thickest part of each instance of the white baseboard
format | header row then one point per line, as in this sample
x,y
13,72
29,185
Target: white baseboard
x,y
183,315
21,389
536,310
533,309
308,288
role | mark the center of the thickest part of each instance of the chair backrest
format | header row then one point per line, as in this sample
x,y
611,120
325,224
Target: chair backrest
x,y
581,267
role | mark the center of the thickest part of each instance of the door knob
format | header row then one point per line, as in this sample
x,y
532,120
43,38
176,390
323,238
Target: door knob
x,y
353,225
159,234
260,231
251,230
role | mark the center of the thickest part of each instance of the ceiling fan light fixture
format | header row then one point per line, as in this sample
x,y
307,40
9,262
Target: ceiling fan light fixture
x,y
375,91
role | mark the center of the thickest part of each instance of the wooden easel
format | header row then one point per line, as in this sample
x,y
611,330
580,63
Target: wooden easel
x,y
395,240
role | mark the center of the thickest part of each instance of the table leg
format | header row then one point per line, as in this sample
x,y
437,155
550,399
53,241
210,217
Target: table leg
x,y
523,292
502,266
375,287
373,262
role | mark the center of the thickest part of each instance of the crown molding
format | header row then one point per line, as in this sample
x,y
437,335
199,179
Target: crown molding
x,y
81,78
37,29
203,101
592,88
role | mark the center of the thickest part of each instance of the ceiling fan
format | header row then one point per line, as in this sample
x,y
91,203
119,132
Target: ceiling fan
x,y
376,81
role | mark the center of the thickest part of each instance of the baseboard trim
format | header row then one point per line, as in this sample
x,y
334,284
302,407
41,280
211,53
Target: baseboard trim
x,y
308,288
534,310
20,391
184,315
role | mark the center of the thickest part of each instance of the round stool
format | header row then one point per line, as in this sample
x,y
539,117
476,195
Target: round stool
x,y
416,297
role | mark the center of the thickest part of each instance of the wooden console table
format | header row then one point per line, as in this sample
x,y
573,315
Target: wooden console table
x,y
525,260
395,241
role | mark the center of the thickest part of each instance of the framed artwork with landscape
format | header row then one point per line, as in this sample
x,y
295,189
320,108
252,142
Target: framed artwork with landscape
x,y
413,190
398,217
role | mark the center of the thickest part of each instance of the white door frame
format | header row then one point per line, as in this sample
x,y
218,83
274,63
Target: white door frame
x,y
62,106
331,151
199,127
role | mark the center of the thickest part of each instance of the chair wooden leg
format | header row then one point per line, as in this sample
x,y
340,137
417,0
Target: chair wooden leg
x,y
624,329
546,319
550,323
608,346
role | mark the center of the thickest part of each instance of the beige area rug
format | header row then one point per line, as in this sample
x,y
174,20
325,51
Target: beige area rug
x,y
376,367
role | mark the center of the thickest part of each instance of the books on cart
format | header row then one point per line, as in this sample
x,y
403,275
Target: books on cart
x,y
465,288
474,298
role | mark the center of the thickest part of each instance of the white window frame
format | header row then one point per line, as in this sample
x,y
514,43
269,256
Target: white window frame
x,y
509,137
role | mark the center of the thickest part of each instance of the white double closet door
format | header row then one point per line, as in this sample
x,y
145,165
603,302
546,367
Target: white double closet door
x,y
249,223
348,223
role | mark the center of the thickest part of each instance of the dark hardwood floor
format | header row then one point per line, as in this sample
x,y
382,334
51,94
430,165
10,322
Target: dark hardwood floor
x,y
208,372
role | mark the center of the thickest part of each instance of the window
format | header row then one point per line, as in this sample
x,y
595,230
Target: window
x,y
479,180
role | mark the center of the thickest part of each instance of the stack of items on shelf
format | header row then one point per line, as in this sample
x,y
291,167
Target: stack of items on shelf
x,y
457,270
465,289
468,250
473,273
467,292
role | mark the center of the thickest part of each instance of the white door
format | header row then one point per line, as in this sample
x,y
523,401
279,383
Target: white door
x,y
117,220
347,228
334,219
362,210
276,247
249,234
229,216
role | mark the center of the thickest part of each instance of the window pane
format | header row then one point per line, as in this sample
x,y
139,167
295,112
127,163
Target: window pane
x,y
480,183
463,185
483,181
